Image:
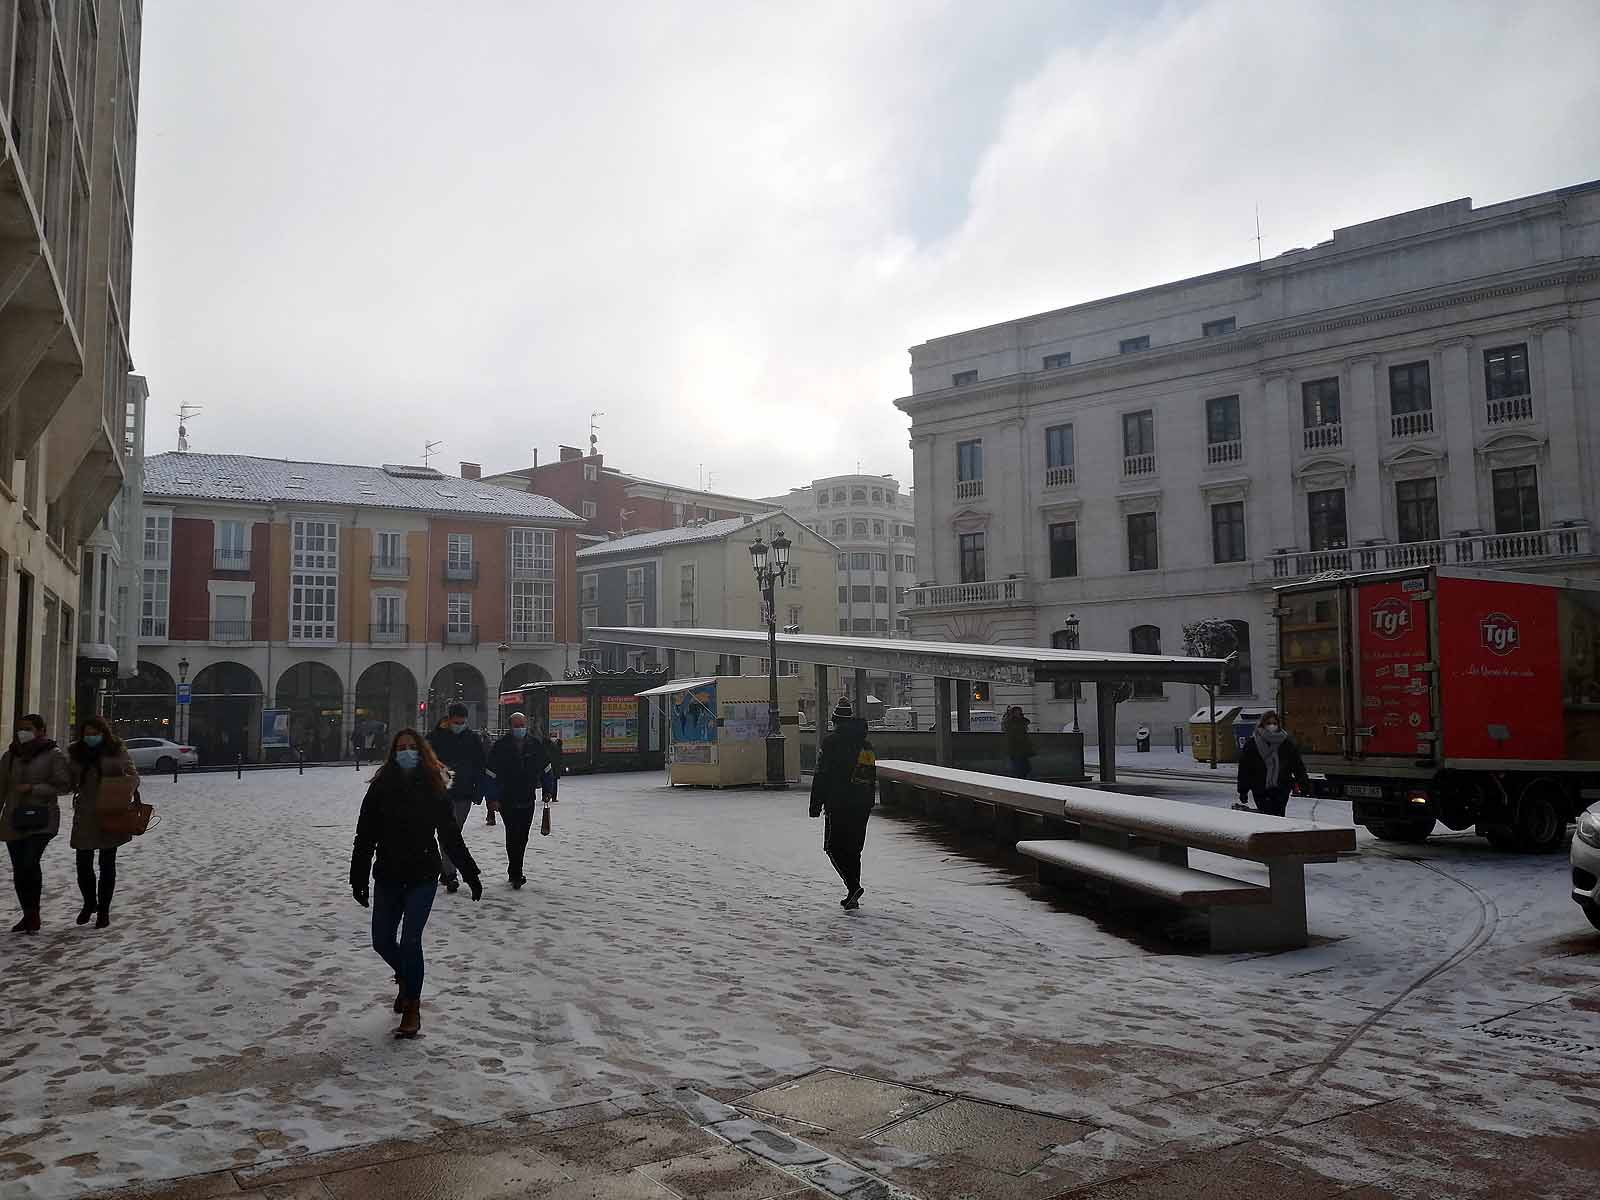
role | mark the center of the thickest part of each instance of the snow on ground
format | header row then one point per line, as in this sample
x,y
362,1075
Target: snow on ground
x,y
234,1011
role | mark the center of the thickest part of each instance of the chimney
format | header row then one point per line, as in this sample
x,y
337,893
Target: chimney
x,y
471,471
570,454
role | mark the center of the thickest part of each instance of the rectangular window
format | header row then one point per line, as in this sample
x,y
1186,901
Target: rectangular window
x,y
590,472
589,510
388,612
1134,344
677,515
880,595
635,583
1416,506
1227,532
533,613
1063,550
1142,551
533,554
860,561
969,461
1408,389
313,581
1138,433
1319,402
861,593
1222,420
844,625
1325,514
844,594
1505,371
231,547
1218,328
963,378
911,564
390,547
153,605
158,537
1146,639
1053,361
971,550
794,614
881,625
880,562
459,551
900,595
1058,448
589,589
458,613
861,625
686,582
636,615
900,562
1516,499
589,617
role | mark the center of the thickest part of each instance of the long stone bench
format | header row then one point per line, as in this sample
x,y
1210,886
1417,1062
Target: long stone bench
x,y
1142,843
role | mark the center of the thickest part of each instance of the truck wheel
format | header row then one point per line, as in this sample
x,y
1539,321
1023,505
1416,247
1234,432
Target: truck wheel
x,y
1415,830
1501,837
1592,911
1541,828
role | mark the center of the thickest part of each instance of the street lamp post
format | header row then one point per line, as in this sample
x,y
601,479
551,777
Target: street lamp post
x,y
771,567
183,709
499,708
1070,628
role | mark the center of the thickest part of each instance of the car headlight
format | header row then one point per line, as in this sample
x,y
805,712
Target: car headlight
x,y
1589,829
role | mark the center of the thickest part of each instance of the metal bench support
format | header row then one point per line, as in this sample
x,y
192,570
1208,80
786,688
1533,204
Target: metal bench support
x,y
1277,925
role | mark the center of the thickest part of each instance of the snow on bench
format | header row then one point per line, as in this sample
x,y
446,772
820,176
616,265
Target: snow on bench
x,y
1142,844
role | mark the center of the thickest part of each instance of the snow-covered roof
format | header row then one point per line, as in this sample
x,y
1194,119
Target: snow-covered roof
x,y
246,479
711,531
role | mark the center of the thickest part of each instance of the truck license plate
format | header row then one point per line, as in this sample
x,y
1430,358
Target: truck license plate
x,y
1364,791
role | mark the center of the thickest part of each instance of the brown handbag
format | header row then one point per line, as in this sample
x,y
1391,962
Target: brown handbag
x,y
129,821
115,792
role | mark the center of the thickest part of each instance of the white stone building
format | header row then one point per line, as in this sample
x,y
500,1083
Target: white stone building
x,y
874,525
1419,388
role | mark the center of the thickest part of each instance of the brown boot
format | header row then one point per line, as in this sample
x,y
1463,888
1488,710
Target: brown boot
x,y
400,1002
411,1022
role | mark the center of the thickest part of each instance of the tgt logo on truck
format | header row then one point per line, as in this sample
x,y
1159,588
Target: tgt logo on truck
x,y
1391,619
1500,633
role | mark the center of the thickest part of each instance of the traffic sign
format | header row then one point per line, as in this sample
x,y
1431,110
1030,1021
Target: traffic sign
x,y
183,693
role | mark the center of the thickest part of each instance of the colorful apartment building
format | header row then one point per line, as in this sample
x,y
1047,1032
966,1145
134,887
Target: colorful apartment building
x,y
298,606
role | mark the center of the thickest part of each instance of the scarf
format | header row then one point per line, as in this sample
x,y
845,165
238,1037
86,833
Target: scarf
x,y
1268,744
27,750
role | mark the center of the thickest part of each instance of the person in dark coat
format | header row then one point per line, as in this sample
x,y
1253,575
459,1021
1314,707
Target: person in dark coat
x,y
34,774
518,763
460,750
1019,746
405,813
1269,765
845,787
97,755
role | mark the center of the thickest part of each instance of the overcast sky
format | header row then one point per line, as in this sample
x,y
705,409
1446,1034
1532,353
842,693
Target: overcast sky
x,y
363,224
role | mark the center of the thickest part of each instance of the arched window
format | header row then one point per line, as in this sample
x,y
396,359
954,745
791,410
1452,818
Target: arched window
x,y
822,499
859,529
1237,681
877,529
877,495
838,529
1146,639
838,495
859,496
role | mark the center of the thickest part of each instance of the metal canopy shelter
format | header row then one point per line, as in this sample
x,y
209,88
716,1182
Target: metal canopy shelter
x,y
945,662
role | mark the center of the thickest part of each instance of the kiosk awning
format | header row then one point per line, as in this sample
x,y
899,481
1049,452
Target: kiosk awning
x,y
673,686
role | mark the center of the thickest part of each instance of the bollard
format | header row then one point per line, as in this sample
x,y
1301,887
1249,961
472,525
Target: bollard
x,y
241,766
175,768
302,762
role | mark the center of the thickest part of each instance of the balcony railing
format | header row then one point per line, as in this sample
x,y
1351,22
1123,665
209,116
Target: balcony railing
x,y
969,489
1411,424
1060,477
1324,437
388,632
1494,549
230,631
1218,453
230,560
461,572
1510,410
390,567
987,594
1136,465
461,635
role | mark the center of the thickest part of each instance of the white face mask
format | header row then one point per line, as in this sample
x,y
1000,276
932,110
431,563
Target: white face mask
x,y
24,736
1272,727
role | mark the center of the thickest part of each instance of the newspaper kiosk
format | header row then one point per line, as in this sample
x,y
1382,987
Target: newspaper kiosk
x,y
717,729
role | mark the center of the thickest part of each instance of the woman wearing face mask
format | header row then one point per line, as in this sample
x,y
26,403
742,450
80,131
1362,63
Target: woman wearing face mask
x,y
1269,764
33,773
98,754
405,811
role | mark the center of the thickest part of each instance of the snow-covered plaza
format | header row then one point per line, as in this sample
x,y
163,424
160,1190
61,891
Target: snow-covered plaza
x,y
677,952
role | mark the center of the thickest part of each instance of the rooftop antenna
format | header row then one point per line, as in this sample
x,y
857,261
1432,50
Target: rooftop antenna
x,y
429,449
594,435
186,413
1258,231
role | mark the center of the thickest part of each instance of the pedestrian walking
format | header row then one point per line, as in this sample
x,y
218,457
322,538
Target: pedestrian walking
x,y
845,786
552,771
518,763
34,774
100,765
461,752
1019,746
1269,763
405,813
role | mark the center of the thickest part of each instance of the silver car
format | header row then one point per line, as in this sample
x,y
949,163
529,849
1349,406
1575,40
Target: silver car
x,y
160,755
1586,864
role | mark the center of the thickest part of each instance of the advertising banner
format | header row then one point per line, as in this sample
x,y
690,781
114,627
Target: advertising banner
x,y
744,720
275,729
569,721
694,716
619,725
1396,692
1500,668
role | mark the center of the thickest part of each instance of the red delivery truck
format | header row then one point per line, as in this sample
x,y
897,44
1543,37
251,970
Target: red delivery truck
x,y
1467,697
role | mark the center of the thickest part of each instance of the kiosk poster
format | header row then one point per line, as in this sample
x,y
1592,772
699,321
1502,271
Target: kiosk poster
x,y
619,724
275,729
569,721
694,715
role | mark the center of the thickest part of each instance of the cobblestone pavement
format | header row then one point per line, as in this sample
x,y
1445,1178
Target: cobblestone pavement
x,y
676,1006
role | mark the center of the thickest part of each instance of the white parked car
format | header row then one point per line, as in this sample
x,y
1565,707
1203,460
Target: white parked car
x,y
159,755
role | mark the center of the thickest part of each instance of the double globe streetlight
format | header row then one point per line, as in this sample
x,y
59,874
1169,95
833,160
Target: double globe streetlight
x,y
772,566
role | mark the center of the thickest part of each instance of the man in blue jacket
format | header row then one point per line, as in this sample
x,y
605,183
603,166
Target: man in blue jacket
x,y
462,753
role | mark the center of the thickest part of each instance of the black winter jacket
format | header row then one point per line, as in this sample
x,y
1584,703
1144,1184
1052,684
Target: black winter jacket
x,y
462,753
402,817
518,765
1253,769
846,778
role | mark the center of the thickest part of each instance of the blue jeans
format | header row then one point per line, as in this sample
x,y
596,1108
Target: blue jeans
x,y
402,909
